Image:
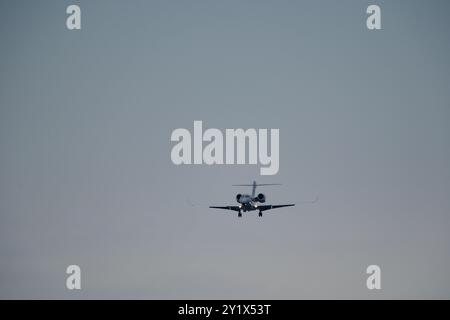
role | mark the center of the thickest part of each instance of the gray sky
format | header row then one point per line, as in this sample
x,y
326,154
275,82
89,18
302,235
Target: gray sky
x,y
86,176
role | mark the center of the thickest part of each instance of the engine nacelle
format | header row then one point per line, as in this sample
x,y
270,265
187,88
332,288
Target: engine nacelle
x,y
261,198
238,197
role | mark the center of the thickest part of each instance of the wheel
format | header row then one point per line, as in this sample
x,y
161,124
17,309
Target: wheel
x,y
260,214
240,215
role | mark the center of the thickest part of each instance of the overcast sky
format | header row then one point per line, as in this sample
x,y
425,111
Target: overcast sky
x,y
86,176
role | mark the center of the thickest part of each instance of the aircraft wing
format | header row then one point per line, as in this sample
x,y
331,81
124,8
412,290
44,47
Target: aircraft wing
x,y
269,206
234,208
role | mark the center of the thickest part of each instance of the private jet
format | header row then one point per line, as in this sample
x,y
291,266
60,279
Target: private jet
x,y
252,202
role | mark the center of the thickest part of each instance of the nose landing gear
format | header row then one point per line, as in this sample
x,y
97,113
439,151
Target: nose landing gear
x,y
240,214
260,213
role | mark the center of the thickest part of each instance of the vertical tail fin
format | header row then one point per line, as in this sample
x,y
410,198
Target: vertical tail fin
x,y
254,185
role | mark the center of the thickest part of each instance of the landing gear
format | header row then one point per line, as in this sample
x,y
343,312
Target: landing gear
x,y
240,214
260,213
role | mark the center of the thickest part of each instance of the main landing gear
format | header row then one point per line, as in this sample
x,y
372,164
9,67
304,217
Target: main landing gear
x,y
240,214
260,213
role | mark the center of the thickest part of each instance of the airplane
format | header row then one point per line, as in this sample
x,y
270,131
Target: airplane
x,y
251,202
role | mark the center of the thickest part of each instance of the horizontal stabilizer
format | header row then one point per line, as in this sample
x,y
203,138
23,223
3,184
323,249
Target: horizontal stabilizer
x,y
257,185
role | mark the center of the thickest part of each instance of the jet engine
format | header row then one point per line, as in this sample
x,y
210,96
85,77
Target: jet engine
x,y
261,198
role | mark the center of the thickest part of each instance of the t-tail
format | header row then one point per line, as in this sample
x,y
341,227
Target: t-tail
x,y
254,185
